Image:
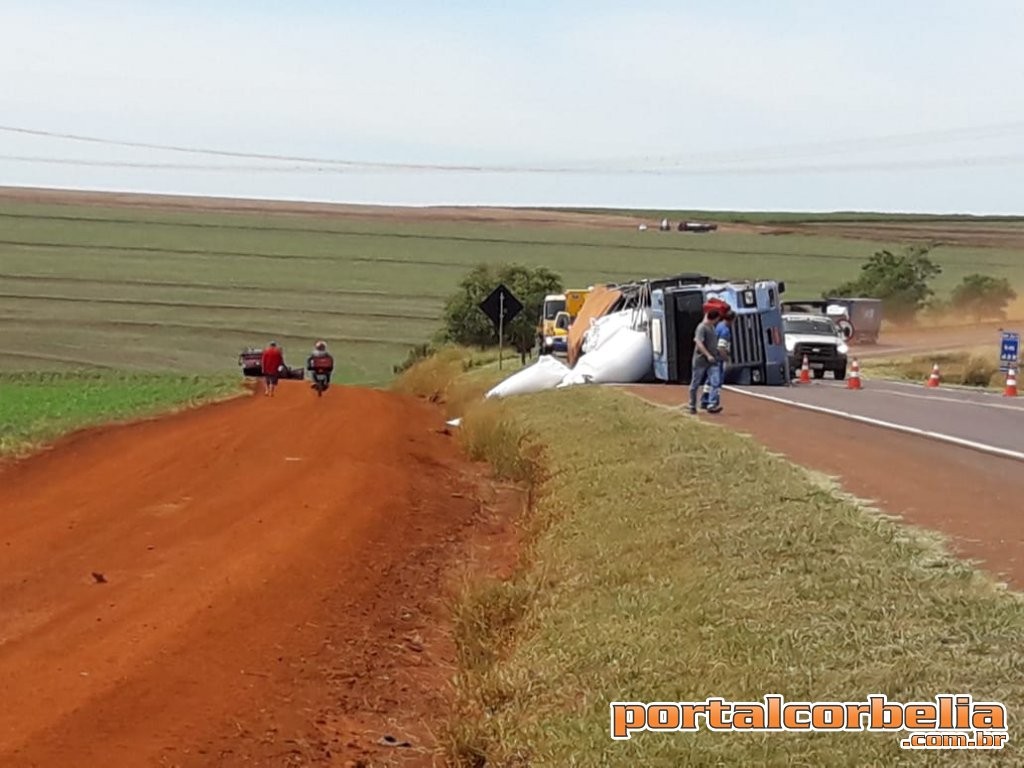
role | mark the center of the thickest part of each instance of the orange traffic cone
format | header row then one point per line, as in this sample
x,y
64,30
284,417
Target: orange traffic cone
x,y
854,381
933,380
805,372
1011,383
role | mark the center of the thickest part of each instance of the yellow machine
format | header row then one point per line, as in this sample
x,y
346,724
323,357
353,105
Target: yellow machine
x,y
574,301
560,310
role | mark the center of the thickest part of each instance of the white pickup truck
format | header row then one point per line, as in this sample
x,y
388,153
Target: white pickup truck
x,y
819,339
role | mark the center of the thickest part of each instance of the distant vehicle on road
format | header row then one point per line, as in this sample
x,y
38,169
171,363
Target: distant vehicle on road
x,y
820,339
859,319
697,226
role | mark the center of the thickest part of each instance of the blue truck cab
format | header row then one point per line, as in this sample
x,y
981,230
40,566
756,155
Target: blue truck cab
x,y
758,342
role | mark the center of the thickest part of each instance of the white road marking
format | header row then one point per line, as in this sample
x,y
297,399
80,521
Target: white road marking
x,y
939,399
963,443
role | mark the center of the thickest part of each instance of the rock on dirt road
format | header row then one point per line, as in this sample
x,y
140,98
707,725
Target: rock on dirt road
x,y
271,571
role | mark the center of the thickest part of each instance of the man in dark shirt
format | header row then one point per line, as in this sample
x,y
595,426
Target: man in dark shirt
x,y
705,342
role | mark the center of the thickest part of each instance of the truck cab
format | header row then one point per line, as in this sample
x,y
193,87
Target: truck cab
x,y
758,346
554,303
819,339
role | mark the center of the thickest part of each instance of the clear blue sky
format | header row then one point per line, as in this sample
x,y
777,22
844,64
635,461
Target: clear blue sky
x,y
732,92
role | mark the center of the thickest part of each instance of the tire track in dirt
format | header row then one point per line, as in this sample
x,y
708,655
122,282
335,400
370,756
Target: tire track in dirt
x,y
271,574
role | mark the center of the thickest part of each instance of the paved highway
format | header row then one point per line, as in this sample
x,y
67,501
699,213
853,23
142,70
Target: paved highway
x,y
981,420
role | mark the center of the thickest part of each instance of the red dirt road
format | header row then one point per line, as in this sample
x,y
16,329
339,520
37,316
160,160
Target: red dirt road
x,y
971,497
272,575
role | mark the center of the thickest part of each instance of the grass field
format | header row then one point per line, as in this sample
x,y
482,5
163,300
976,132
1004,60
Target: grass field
x,y
644,582
977,367
794,217
35,408
109,287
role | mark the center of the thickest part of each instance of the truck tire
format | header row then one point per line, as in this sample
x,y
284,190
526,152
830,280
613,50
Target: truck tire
x,y
819,373
840,373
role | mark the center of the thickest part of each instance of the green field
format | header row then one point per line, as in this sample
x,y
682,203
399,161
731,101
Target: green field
x,y
35,408
104,287
670,560
796,217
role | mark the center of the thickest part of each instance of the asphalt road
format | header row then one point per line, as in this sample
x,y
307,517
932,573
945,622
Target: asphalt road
x,y
979,420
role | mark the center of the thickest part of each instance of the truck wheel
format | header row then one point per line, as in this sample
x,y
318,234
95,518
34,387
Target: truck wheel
x,y
840,373
819,373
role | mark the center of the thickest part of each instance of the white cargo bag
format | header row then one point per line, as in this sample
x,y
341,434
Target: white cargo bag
x,y
624,356
546,373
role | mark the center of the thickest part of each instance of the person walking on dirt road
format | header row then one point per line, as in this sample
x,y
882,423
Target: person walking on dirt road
x,y
705,341
271,362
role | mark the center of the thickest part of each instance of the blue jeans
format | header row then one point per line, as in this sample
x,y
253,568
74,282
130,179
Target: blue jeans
x,y
716,378
700,375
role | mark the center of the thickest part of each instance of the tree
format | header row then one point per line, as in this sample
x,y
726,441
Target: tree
x,y
983,297
899,280
464,321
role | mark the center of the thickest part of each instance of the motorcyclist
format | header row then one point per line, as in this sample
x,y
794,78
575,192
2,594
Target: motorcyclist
x,y
320,361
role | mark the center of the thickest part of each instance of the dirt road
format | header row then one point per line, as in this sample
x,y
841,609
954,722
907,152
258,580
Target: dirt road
x,y
972,497
253,583
898,343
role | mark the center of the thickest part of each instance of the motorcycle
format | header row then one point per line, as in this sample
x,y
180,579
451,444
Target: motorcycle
x,y
321,368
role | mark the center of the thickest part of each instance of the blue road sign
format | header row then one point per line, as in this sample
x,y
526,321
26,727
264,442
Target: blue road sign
x,y
1009,351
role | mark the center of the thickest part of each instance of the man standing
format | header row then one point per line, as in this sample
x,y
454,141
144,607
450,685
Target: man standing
x,y
704,340
271,363
723,332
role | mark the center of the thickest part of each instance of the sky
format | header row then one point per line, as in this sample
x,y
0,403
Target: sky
x,y
737,105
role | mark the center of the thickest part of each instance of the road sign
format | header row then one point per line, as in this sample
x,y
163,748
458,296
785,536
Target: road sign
x,y
1009,351
501,306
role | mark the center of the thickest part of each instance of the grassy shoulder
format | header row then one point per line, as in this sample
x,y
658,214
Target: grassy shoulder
x,y
670,560
969,368
38,407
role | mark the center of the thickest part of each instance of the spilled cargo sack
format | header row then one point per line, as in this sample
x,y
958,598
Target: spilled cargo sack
x,y
624,356
603,328
546,373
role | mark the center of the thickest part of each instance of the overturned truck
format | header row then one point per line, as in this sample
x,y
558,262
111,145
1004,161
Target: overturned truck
x,y
671,309
758,342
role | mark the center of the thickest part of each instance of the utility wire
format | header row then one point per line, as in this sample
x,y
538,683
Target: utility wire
x,y
648,163
735,170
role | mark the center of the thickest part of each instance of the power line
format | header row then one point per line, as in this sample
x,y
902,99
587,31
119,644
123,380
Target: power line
x,y
650,164
840,146
732,170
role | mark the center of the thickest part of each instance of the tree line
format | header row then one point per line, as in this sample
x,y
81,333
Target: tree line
x,y
903,282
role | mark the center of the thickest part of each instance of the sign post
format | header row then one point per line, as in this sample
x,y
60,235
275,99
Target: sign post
x,y
501,306
1009,351
501,326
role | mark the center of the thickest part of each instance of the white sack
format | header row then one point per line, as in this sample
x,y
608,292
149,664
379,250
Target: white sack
x,y
604,328
546,373
624,357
